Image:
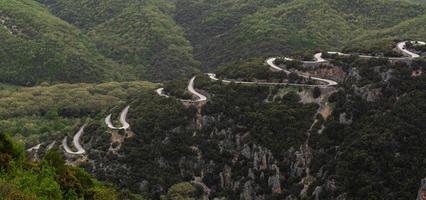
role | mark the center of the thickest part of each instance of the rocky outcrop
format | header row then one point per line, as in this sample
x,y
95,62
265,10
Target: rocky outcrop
x,y
344,119
7,24
226,177
274,180
247,193
422,190
317,192
368,93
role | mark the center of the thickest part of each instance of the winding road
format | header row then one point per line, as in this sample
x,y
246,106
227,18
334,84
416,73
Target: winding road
x,y
76,143
122,119
401,47
318,59
199,97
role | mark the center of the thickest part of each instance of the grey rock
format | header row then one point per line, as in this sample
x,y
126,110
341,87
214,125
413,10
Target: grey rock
x,y
317,192
247,193
143,186
422,190
343,119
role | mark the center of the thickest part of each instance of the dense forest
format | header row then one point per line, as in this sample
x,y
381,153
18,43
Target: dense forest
x,y
38,47
141,34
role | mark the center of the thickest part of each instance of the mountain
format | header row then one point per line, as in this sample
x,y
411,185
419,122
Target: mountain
x,y
232,30
162,40
36,47
142,34
345,126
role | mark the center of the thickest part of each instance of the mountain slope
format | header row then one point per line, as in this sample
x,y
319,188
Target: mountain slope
x,y
36,46
141,34
412,28
149,33
232,30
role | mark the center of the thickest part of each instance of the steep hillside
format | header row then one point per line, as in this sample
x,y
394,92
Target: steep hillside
x,y
412,28
36,47
141,34
231,30
145,34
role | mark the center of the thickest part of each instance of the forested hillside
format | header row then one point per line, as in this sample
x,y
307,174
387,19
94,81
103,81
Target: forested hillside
x,y
278,142
110,99
163,40
36,47
142,34
230,30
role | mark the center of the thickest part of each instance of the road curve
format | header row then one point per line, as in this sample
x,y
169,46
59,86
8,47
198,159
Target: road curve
x,y
160,91
50,146
108,122
327,82
122,119
36,147
199,97
191,89
76,143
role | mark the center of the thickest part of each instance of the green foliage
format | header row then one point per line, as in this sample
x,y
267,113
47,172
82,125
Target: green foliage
x,y
9,151
273,125
177,88
249,70
233,30
45,180
37,47
181,191
142,34
34,114
385,135
50,179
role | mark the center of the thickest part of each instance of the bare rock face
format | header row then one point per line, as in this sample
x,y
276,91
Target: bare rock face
x,y
343,119
274,181
342,197
143,186
246,152
297,168
368,93
331,185
317,192
226,177
290,197
386,76
422,190
247,193
251,174
354,74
